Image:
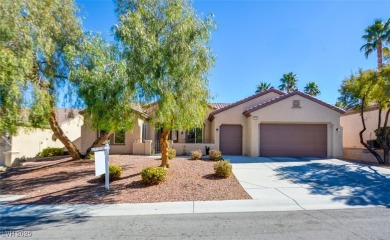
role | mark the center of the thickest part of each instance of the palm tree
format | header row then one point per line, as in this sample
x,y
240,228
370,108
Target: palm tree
x,y
312,89
263,86
289,82
375,36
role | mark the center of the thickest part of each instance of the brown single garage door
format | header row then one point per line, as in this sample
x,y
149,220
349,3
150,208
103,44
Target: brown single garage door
x,y
293,140
230,138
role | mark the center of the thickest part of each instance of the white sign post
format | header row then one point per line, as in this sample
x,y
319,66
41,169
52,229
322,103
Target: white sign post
x,y
101,162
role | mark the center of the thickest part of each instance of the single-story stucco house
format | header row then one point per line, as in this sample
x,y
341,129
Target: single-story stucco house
x,y
352,125
28,142
270,123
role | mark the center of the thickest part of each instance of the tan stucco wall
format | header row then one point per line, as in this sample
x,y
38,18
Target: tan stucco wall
x,y
89,135
234,116
4,147
310,112
352,125
189,147
28,142
359,154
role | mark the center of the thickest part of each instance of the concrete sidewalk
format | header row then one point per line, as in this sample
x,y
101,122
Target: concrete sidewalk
x,y
127,209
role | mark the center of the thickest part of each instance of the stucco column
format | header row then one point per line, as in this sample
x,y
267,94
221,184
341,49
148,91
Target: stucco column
x,y
253,143
338,141
10,157
148,147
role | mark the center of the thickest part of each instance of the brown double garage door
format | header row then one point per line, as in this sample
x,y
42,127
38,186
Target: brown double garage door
x,y
279,140
293,140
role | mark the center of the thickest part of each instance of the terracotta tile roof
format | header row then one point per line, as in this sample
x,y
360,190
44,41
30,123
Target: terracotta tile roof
x,y
135,106
139,108
65,114
371,107
62,114
211,116
217,106
280,98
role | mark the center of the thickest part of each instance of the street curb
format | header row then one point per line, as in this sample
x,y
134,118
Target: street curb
x,y
128,209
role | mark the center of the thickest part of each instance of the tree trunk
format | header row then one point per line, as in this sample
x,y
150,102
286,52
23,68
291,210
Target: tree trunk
x,y
164,148
372,151
99,141
386,156
382,134
379,55
58,133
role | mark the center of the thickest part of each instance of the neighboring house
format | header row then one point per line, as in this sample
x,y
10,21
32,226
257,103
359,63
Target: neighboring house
x,y
352,125
30,141
270,123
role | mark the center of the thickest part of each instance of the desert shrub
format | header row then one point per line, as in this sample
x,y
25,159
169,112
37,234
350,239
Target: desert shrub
x,y
223,168
215,155
91,156
196,155
153,175
115,173
171,153
50,152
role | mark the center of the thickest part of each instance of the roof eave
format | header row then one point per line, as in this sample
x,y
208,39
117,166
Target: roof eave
x,y
281,98
211,116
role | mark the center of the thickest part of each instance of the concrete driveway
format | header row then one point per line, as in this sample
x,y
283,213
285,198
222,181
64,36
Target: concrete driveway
x,y
309,183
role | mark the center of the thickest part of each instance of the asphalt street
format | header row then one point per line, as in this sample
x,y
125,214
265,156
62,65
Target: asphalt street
x,y
358,223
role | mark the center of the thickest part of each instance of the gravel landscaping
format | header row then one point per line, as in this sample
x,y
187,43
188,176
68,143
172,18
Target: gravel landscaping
x,y
65,181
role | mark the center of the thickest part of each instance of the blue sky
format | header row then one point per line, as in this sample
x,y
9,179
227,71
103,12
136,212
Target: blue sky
x,y
258,41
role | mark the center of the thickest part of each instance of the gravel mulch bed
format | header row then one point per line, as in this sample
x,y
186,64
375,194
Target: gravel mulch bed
x,y
67,181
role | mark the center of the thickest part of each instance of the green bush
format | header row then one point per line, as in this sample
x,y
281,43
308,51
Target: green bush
x,y
171,153
50,152
196,155
223,168
153,175
115,173
215,155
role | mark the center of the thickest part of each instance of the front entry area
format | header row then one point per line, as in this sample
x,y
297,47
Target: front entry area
x,y
293,140
231,139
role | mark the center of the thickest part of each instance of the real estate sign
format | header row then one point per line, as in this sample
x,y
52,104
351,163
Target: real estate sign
x,y
100,165
101,162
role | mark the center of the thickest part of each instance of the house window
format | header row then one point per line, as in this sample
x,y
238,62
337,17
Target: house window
x,y
174,136
117,138
195,135
120,137
144,132
101,132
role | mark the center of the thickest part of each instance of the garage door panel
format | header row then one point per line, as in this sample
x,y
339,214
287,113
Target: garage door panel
x,y
231,139
295,140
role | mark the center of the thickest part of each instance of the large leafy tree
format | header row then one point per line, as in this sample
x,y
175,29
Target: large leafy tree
x,y
99,72
34,34
16,62
375,36
365,89
312,89
263,86
166,46
289,82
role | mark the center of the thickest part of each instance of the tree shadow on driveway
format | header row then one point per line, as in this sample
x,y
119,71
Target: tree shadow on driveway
x,y
349,183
